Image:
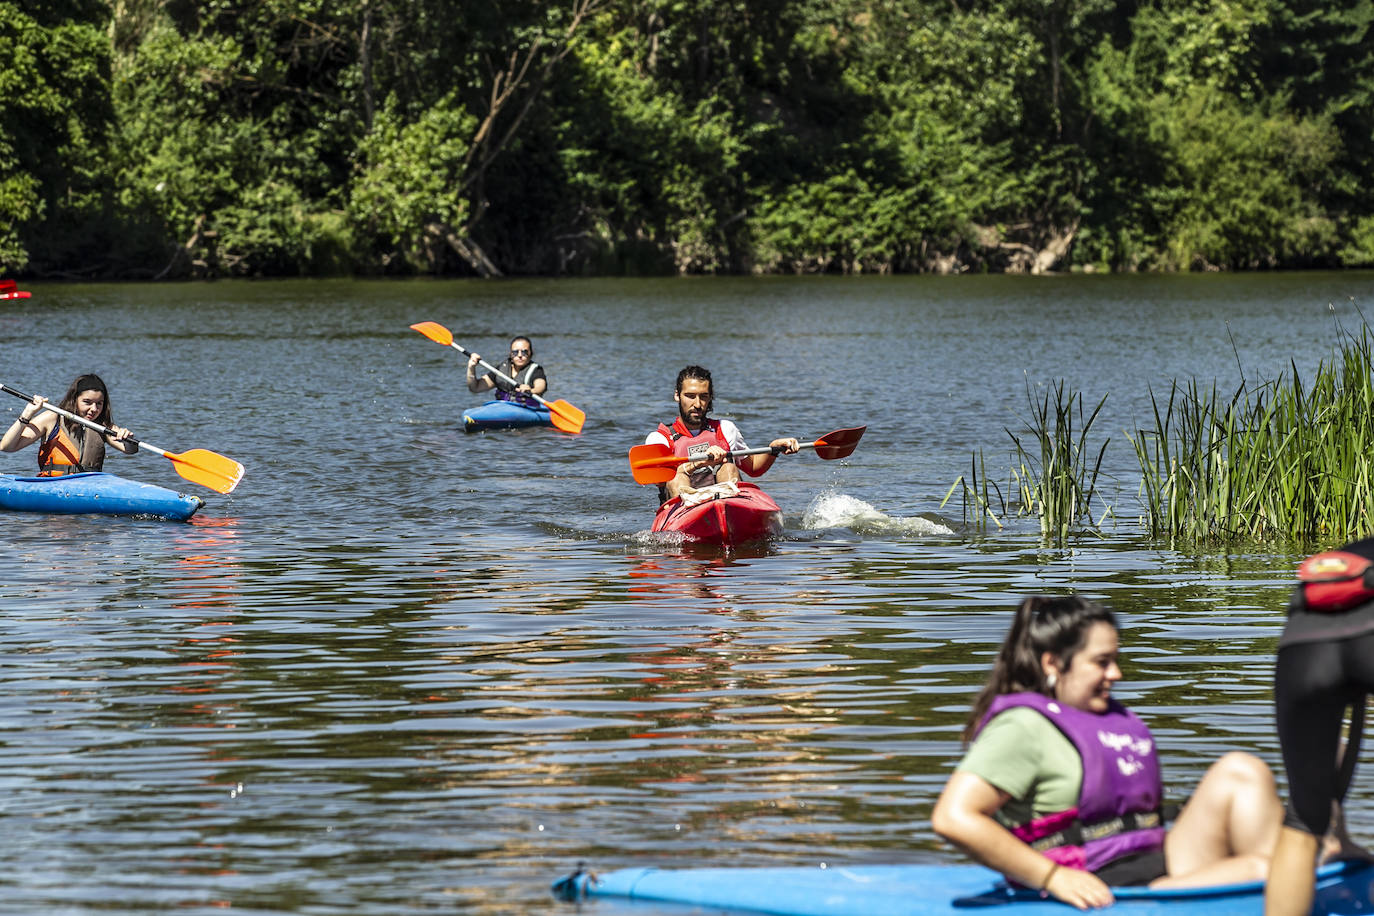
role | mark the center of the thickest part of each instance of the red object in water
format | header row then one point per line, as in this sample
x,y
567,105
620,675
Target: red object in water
x,y
748,515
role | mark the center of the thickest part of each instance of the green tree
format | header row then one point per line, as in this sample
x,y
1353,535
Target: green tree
x,y
1319,58
54,114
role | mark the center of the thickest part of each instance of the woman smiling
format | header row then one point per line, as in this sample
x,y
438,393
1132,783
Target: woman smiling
x,y
1060,789
66,447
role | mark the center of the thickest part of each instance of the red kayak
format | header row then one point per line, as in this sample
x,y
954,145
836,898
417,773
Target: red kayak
x,y
728,514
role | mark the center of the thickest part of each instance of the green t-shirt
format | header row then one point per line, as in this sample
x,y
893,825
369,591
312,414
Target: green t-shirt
x,y
1025,755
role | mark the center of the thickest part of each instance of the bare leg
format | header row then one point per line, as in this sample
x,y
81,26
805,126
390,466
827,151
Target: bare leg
x,y
1228,829
1292,876
678,486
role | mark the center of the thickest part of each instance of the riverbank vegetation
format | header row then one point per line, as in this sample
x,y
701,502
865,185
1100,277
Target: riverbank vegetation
x,y
1282,461
151,139
1275,461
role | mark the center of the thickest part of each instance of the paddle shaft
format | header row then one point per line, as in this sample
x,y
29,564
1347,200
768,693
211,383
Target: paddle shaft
x,y
82,420
497,372
761,450
728,456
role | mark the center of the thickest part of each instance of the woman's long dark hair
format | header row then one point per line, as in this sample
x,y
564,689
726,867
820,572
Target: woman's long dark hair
x,y
88,382
1055,625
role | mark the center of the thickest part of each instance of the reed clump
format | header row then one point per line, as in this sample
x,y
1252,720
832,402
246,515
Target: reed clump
x,y
1055,477
977,492
1056,473
1277,461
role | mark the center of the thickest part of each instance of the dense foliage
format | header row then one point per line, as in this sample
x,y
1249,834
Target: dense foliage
x,y
165,138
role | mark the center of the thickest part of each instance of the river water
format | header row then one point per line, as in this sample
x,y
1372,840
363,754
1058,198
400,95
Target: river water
x,y
404,669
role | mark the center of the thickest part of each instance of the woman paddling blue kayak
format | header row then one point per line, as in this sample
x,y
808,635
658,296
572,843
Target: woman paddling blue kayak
x,y
562,415
71,441
517,382
77,452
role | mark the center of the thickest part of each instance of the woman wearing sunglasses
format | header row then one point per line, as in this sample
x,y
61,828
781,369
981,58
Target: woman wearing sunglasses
x,y
520,366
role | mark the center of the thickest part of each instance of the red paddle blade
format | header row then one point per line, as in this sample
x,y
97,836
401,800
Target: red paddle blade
x,y
653,463
435,332
566,417
840,443
208,469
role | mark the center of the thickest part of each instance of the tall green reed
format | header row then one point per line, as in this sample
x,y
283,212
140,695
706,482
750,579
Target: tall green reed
x,y
1056,475
1278,461
979,489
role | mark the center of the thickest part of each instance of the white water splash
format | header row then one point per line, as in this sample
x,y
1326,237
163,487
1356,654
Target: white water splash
x,y
836,510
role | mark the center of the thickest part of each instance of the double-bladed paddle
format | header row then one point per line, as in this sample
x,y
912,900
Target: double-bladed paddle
x,y
656,463
10,290
198,465
564,416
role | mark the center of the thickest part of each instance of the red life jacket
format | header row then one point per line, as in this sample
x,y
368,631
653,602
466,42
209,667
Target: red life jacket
x,y
1333,582
687,445
59,454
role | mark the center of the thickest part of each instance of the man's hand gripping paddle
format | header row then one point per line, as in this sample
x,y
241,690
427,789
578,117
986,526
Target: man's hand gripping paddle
x,y
564,416
198,465
656,463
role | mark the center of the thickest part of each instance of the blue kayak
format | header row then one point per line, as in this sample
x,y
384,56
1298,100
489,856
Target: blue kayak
x,y
504,415
95,493
1343,889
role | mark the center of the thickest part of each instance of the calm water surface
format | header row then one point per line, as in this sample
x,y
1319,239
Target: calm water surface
x,y
403,669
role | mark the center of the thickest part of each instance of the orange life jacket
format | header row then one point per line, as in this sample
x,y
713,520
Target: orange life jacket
x,y
59,454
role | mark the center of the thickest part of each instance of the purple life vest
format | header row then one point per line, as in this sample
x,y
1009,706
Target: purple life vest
x,y
517,397
1118,811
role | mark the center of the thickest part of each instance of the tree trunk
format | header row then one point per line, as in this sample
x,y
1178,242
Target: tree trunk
x,y
365,60
1054,249
183,254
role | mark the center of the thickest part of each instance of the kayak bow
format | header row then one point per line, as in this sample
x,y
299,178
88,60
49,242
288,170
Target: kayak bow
x,y
724,513
504,415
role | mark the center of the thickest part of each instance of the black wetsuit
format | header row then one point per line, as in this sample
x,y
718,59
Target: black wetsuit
x,y
1325,665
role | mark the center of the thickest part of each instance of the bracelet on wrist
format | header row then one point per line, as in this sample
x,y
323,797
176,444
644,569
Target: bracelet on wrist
x,y
1045,884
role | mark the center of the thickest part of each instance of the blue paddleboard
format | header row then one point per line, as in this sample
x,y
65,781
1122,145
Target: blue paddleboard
x,y
1343,889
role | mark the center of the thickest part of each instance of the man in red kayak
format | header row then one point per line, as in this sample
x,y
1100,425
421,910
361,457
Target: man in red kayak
x,y
707,442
